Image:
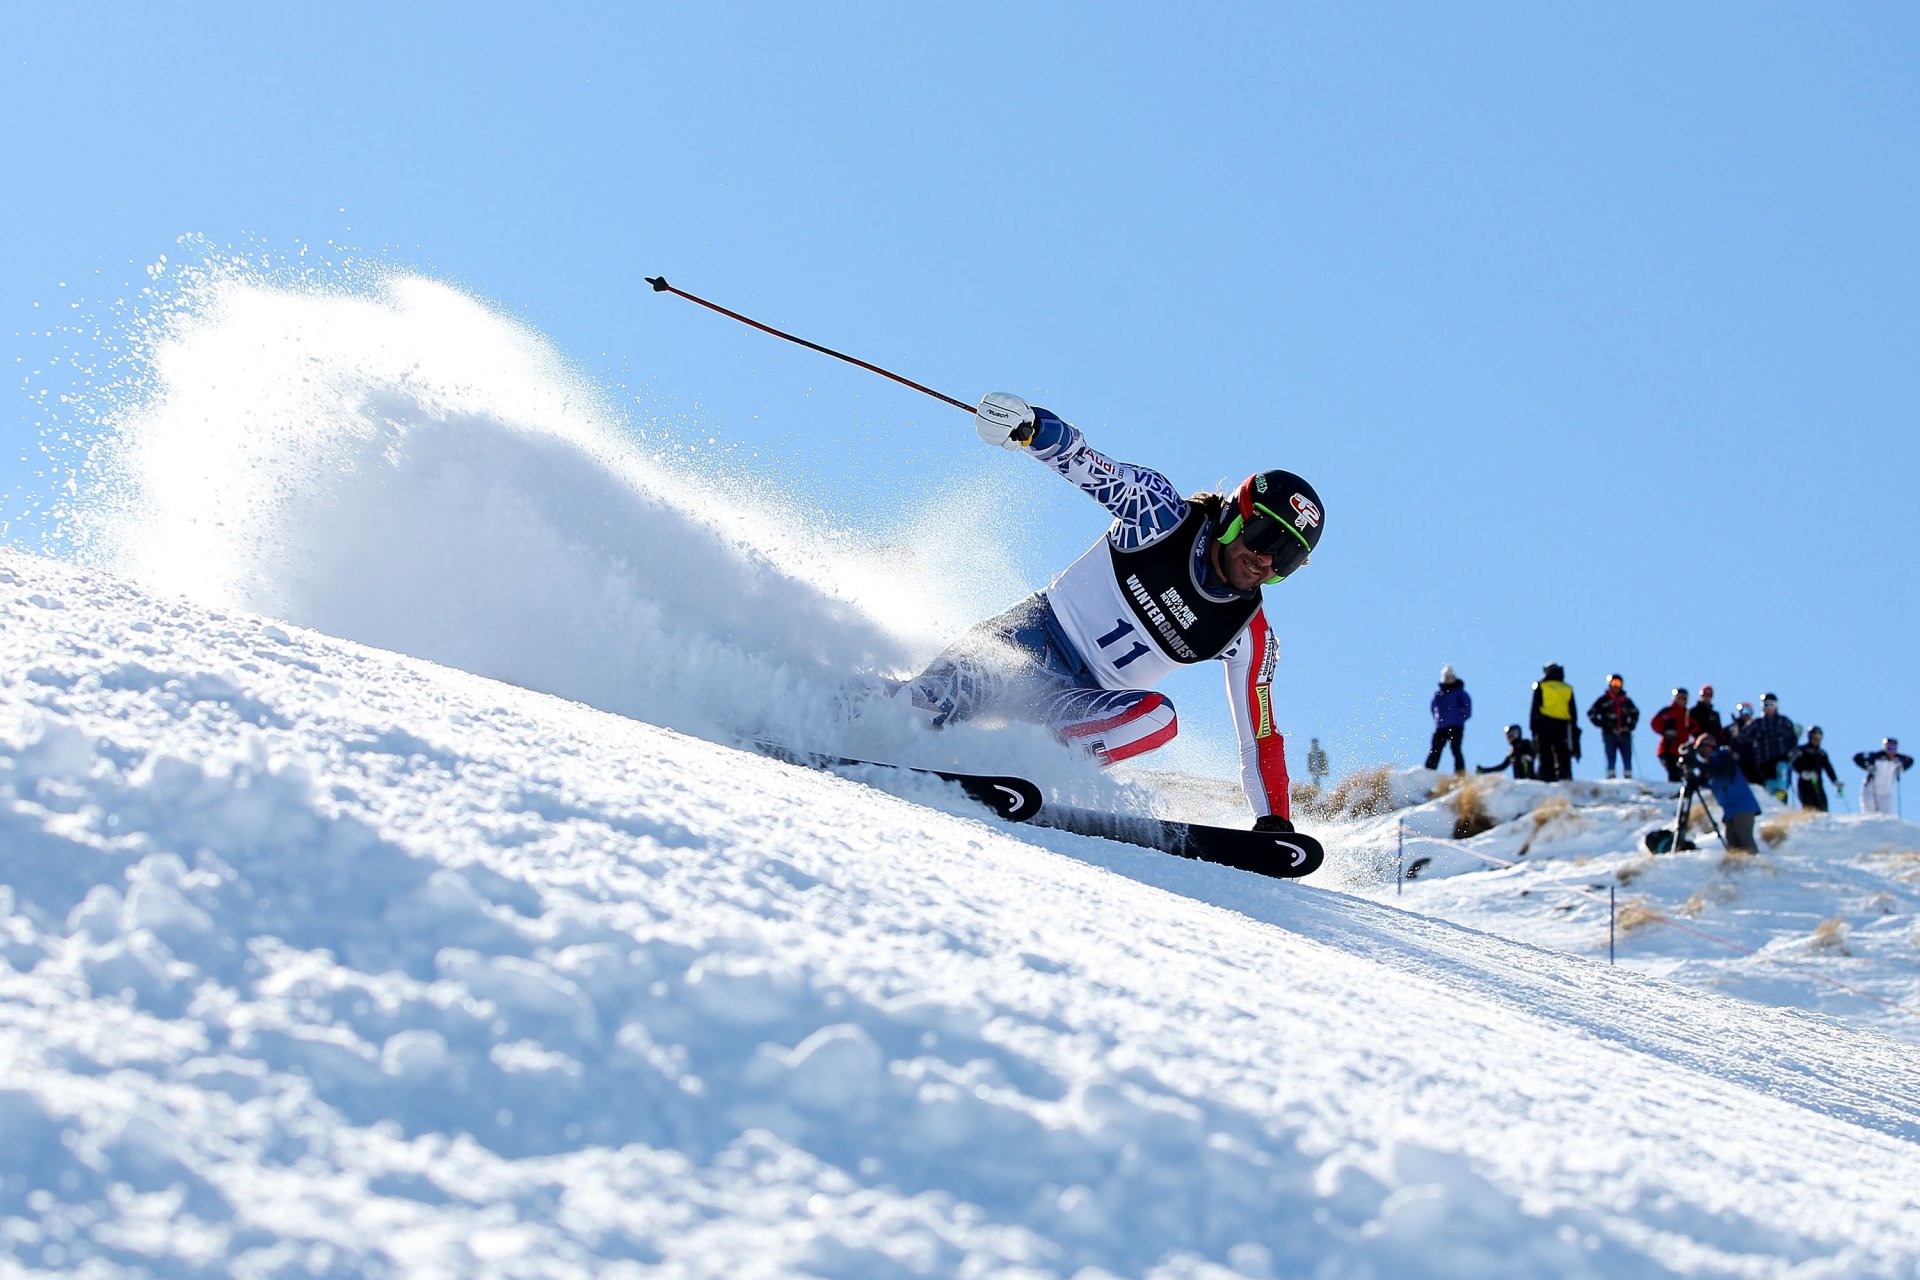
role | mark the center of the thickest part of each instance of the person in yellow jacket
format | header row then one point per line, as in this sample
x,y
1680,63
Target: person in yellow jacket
x,y
1556,738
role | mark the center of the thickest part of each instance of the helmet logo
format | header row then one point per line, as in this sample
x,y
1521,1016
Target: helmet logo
x,y
1309,513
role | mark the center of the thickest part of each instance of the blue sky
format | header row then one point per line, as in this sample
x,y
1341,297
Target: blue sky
x,y
1596,329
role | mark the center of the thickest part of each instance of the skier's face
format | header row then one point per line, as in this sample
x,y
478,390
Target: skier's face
x,y
1243,569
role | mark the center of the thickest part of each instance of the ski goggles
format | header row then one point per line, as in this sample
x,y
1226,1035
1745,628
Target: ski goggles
x,y
1266,534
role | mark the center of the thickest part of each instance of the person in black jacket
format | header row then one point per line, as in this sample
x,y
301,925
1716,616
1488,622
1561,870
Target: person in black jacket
x,y
1739,739
1519,756
1615,716
1704,717
1809,762
1772,739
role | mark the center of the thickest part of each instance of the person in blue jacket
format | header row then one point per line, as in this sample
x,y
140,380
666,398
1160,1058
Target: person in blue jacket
x,y
1720,770
1451,708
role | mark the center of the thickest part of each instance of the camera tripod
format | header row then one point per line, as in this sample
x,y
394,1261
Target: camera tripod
x,y
1665,841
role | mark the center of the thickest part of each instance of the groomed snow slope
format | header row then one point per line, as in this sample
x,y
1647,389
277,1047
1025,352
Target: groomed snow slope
x,y
320,959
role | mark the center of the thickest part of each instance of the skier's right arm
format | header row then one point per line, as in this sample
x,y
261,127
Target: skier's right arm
x,y
1143,501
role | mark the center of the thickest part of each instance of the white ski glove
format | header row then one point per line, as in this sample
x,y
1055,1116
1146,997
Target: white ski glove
x,y
1004,419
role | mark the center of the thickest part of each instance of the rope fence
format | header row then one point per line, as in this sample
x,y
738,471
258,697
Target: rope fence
x,y
1654,917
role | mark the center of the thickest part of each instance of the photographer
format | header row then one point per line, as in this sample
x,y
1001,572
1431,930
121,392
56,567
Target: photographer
x,y
1713,765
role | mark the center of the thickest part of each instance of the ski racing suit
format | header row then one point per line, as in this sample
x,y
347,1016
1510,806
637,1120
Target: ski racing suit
x,y
1083,655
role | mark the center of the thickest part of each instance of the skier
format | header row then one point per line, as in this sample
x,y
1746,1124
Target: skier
x,y
1880,793
1174,581
1519,756
1675,731
1809,762
1615,716
1316,761
1451,708
1554,732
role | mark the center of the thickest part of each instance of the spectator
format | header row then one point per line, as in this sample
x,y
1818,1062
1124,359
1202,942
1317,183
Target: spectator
x,y
1615,716
1880,793
1316,762
1675,731
1738,808
1554,741
1809,762
1519,756
1739,738
1773,738
1704,718
1451,708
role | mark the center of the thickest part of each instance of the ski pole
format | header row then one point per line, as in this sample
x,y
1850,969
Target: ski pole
x,y
660,285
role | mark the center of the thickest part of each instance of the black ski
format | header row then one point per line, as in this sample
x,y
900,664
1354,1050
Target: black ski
x,y
1015,799
1282,855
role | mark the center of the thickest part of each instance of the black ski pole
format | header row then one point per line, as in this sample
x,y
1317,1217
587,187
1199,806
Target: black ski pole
x,y
660,285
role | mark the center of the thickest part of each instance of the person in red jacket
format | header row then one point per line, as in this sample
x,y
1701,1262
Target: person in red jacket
x,y
1615,716
1672,724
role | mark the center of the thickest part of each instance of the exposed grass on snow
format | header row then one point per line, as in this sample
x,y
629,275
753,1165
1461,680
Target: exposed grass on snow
x,y
1830,936
1469,799
1362,794
1635,913
1775,830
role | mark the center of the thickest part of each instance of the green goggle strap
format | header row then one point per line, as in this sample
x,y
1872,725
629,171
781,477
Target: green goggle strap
x,y
1233,533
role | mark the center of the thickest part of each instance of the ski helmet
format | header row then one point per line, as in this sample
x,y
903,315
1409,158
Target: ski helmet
x,y
1513,731
1706,691
1679,695
1616,678
1274,513
1742,710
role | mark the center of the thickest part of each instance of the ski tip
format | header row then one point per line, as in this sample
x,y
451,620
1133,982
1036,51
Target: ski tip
x,y
659,283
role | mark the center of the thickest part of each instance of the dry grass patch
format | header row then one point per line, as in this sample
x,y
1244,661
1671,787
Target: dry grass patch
x,y
1881,902
1905,862
1635,912
1358,795
1774,831
1739,860
1470,816
1546,811
1712,893
1830,936
1633,869
1549,809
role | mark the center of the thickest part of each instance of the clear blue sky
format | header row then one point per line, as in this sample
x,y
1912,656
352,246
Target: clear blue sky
x,y
1597,327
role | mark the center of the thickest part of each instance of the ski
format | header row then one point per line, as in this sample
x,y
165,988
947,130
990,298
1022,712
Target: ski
x,y
1281,855
1012,798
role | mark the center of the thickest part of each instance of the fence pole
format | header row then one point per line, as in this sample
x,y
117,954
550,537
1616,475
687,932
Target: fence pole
x,y
1401,878
1612,911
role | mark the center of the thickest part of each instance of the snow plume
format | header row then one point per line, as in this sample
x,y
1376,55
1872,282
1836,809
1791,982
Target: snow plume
x,y
389,460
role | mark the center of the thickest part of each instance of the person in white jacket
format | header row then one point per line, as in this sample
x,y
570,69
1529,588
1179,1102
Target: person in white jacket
x,y
1880,792
1174,581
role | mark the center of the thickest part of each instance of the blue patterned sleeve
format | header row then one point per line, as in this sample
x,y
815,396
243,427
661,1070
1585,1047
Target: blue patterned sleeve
x,y
1144,503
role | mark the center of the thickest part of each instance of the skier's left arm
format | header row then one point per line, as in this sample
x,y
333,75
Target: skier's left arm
x,y
1144,503
1263,748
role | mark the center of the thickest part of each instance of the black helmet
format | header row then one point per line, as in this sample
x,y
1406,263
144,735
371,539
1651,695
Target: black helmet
x,y
1513,731
1274,513
1679,694
1555,671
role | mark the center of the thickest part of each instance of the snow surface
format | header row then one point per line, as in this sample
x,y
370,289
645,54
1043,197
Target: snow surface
x,y
322,959
382,893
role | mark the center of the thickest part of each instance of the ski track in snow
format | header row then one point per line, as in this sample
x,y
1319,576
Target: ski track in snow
x,y
327,959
